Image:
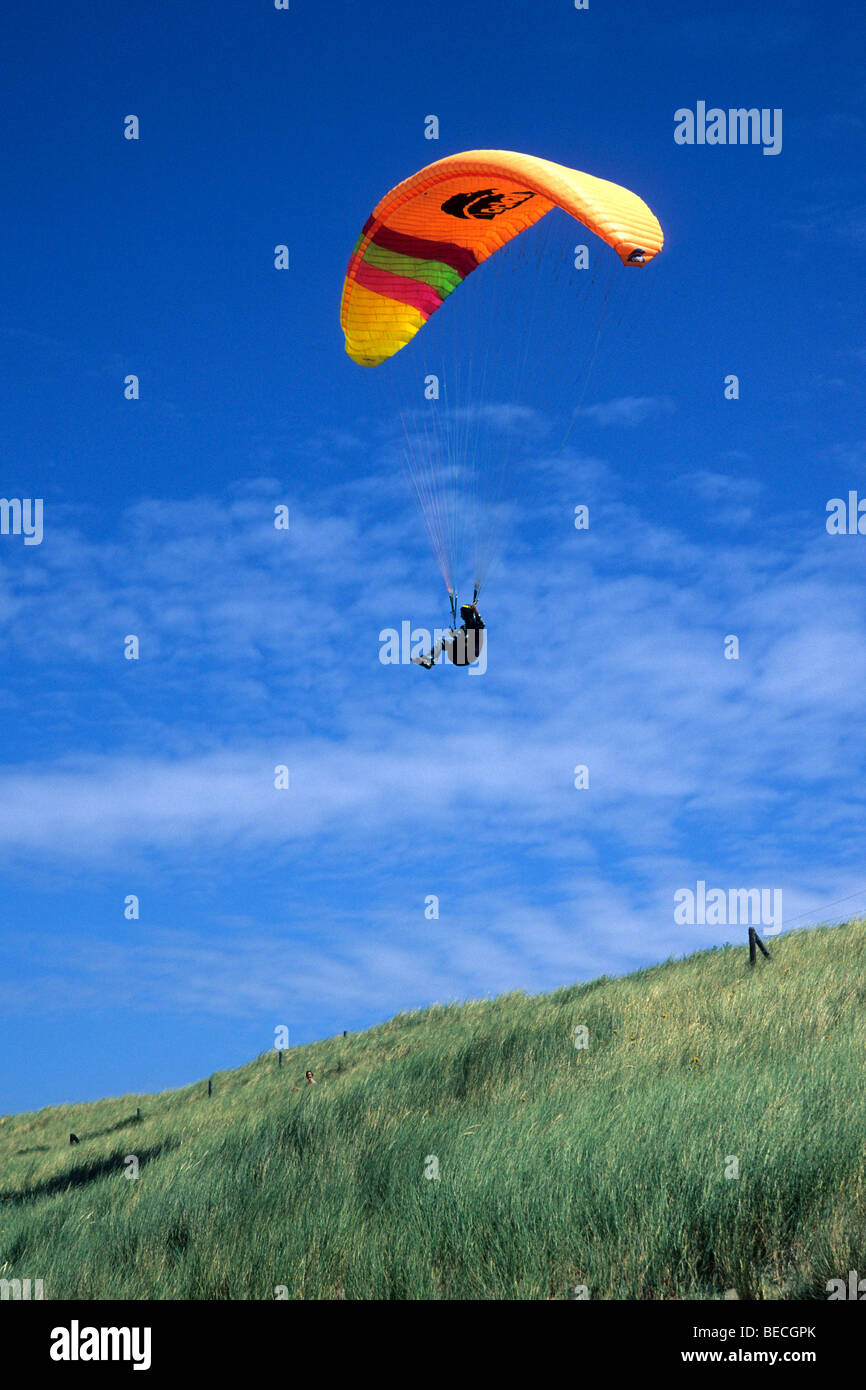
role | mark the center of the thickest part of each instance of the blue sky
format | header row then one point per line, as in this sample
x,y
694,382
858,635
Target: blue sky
x,y
258,647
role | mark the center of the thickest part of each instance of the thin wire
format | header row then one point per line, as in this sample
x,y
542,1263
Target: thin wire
x,y
811,912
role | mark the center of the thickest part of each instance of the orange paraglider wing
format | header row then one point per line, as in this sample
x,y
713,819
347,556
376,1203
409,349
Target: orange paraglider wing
x,y
432,230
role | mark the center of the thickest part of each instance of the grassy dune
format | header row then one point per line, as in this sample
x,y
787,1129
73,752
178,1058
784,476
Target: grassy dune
x,y
558,1166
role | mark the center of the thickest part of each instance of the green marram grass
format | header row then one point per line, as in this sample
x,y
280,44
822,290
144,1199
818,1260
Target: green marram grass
x,y
605,1168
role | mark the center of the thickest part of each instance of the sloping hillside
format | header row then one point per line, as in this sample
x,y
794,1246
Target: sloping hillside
x,y
609,1166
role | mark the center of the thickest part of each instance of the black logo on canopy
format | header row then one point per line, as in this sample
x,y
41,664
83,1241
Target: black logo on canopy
x,y
484,203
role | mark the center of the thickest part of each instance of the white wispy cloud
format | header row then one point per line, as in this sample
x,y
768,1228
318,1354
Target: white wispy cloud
x,y
628,410
732,499
258,648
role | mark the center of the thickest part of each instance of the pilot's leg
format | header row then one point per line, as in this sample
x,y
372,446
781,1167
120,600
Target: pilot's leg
x,y
430,658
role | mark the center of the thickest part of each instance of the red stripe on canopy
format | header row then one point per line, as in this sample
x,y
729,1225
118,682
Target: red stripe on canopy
x,y
400,287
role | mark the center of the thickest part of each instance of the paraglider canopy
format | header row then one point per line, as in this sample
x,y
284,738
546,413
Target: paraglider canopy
x,y
432,230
